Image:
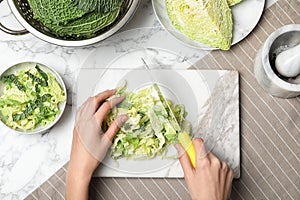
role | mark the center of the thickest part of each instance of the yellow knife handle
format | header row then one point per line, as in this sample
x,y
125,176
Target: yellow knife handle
x,y
188,146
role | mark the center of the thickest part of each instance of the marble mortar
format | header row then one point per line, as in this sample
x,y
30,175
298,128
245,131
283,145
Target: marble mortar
x,y
264,65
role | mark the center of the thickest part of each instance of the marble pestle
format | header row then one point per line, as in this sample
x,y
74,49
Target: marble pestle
x,y
287,63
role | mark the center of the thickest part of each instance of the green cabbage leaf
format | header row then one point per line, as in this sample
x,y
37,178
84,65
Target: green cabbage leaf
x,y
77,18
206,21
233,2
102,6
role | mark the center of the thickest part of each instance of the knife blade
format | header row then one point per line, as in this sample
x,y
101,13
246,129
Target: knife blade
x,y
183,136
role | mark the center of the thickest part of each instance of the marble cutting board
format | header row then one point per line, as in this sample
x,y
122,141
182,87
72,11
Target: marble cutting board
x,y
211,98
213,89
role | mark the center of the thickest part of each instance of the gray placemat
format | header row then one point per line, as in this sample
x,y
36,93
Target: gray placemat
x,y
270,133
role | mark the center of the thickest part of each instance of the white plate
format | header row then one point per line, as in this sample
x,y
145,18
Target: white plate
x,y
117,59
177,84
26,65
245,17
182,88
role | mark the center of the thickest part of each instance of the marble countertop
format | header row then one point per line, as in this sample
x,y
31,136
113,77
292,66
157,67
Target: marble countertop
x,y
26,161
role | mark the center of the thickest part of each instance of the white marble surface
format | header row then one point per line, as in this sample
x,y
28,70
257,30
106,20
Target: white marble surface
x,y
26,161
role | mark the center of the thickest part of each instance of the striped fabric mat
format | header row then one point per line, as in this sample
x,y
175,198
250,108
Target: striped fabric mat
x,y
270,133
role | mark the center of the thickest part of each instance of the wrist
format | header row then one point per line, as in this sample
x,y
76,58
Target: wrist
x,y
80,170
77,184
76,178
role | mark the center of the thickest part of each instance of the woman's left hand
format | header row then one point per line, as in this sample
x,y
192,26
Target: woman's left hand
x,y
90,143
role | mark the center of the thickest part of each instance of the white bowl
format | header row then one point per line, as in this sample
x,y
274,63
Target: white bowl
x,y
26,65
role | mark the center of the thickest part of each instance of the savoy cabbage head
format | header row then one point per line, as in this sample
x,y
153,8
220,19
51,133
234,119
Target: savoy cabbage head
x,y
78,18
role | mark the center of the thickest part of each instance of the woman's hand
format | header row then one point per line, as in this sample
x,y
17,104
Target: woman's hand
x,y
90,143
211,179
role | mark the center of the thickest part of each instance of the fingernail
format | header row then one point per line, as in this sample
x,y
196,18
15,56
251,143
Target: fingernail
x,y
121,120
113,90
122,97
117,97
124,118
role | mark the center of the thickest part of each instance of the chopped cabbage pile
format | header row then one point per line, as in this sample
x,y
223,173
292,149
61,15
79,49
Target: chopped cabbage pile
x,y
148,131
30,98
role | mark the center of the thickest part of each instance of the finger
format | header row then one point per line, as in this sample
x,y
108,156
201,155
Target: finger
x,y
228,183
184,161
115,126
99,98
213,157
215,162
223,171
224,167
104,109
199,149
218,165
202,160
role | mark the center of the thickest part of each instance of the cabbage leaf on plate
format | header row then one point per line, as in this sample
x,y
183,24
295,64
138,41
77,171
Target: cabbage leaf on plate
x,y
206,21
233,2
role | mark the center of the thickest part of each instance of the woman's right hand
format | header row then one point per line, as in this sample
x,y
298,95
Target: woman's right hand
x,y
211,179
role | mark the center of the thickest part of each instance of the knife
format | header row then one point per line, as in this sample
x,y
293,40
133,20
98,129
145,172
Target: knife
x,y
183,136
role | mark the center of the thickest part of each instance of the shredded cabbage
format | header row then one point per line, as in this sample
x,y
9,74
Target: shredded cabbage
x,y
30,98
148,130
